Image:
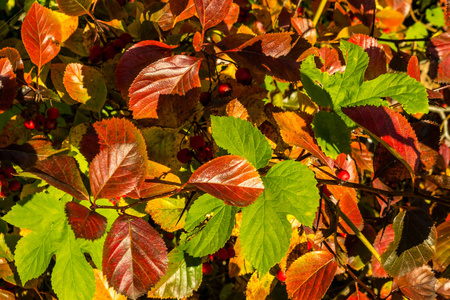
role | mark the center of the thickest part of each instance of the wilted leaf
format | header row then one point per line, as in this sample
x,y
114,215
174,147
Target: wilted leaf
x,y
135,59
85,223
418,284
7,84
115,171
74,7
183,277
41,34
230,178
310,276
85,85
259,288
442,257
168,76
134,256
63,173
212,12
413,245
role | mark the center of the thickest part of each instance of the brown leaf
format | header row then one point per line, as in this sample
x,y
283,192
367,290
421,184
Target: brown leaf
x,y
418,284
167,76
237,110
310,276
63,173
230,178
116,171
438,49
134,256
7,84
85,223
212,12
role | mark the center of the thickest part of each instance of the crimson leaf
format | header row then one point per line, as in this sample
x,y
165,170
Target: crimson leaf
x,y
85,223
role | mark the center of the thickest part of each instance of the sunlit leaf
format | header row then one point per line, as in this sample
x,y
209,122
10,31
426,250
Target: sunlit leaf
x,y
41,34
85,85
237,110
103,291
384,238
310,276
331,62
438,48
357,296
230,178
7,84
259,288
74,7
116,171
442,257
212,12
377,57
85,223
135,256
63,173
418,284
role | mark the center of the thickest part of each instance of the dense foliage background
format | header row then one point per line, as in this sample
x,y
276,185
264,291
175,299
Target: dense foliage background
x,y
224,149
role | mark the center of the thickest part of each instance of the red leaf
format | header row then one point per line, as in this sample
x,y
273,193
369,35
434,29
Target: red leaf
x,y
134,256
419,284
178,6
331,62
382,241
349,206
230,178
439,49
168,76
392,128
135,59
41,34
413,68
357,296
212,12
63,173
362,156
116,171
7,84
85,223
310,276
15,60
89,145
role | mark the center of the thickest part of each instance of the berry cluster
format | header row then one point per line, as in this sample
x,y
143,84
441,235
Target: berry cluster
x,y
200,150
7,183
39,121
222,254
98,53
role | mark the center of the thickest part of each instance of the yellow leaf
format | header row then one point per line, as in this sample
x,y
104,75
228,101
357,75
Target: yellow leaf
x,y
260,288
102,289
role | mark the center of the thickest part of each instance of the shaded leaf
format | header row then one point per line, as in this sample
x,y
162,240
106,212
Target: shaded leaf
x,y
438,48
377,57
212,12
134,257
63,173
7,84
387,200
230,178
358,254
171,75
183,277
85,223
85,85
41,34
135,59
74,7
442,257
413,245
310,276
418,284
115,171
389,128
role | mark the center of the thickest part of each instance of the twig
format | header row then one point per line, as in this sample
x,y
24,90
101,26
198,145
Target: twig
x,y
444,126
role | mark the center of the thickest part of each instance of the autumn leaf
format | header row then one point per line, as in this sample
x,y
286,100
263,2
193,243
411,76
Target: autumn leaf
x,y
418,284
85,223
212,12
7,84
74,7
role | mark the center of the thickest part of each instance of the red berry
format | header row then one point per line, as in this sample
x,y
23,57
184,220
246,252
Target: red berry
x,y
326,191
4,191
205,153
118,44
39,121
281,275
50,124
109,52
309,245
211,257
96,54
196,142
224,89
222,254
52,113
343,234
170,236
126,38
14,185
243,76
9,172
29,124
205,98
207,268
184,155
343,175
231,252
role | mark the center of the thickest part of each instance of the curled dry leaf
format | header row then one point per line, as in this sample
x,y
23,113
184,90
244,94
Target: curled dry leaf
x,y
230,178
85,223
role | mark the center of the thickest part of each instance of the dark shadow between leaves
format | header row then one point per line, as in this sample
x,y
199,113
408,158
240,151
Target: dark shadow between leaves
x,y
417,226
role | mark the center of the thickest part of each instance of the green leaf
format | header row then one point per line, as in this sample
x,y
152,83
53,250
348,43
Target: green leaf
x,y
72,277
265,230
183,276
435,16
332,141
241,138
417,31
413,245
217,230
310,74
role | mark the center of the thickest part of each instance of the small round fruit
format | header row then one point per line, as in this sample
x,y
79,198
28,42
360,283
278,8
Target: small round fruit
x,y
96,54
118,44
196,142
29,124
184,155
170,236
207,268
52,113
281,275
205,98
231,252
343,175
50,124
39,121
9,172
205,153
109,52
14,185
222,254
243,76
224,89
126,38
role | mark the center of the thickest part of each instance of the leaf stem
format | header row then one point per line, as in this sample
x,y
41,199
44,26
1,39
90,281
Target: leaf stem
x,y
319,12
